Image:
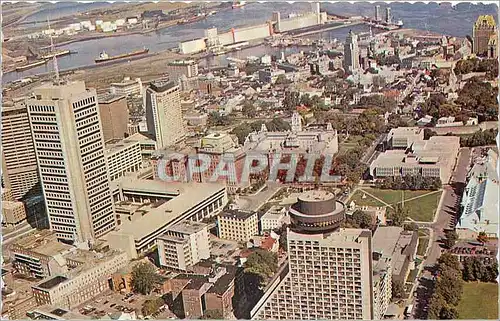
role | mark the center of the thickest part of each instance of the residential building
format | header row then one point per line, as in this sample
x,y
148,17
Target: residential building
x,y
274,218
200,292
127,87
330,269
269,76
237,225
388,16
184,245
429,158
13,213
484,28
39,255
114,115
69,146
351,53
479,212
378,17
122,156
19,166
382,283
164,114
88,278
146,209
178,68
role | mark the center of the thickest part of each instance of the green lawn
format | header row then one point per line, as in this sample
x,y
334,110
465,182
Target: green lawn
x,y
394,196
423,208
357,197
422,245
479,301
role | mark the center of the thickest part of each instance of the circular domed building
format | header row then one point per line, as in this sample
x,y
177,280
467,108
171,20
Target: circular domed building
x,y
316,212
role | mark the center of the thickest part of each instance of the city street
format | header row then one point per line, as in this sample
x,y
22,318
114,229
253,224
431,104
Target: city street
x,y
446,219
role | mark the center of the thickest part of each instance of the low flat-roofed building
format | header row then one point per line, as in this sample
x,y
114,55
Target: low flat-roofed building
x,y
171,203
52,312
13,213
479,211
88,277
39,254
147,144
398,244
274,218
429,158
403,137
237,225
184,245
123,156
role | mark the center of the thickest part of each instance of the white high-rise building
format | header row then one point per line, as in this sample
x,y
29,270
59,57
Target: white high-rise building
x,y
351,52
69,145
164,114
377,13
330,269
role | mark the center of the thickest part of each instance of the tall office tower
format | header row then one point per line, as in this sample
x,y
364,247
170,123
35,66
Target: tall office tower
x,y
19,168
484,28
163,113
351,52
113,111
377,13
330,269
388,17
69,145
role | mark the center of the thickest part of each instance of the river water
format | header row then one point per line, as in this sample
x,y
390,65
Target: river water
x,y
446,19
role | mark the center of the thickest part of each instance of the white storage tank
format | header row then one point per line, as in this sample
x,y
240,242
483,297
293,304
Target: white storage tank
x,y
98,22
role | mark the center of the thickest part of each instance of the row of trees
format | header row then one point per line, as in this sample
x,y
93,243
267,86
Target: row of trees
x,y
475,269
276,124
480,138
448,289
465,66
410,182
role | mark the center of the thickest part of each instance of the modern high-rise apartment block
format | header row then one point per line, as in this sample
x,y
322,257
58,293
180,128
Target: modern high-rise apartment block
x,y
184,245
388,16
330,269
164,114
351,52
19,166
114,116
484,29
69,146
377,13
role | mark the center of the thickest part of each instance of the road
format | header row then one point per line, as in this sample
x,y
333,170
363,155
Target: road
x,y
254,202
446,219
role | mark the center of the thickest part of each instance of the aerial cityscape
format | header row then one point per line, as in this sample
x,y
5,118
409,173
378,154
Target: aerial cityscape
x,y
246,160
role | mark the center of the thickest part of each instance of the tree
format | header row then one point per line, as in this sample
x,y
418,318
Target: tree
x,y
215,119
361,219
144,278
262,263
151,306
448,260
448,312
398,289
451,238
282,80
249,109
412,226
212,315
398,215
436,304
482,237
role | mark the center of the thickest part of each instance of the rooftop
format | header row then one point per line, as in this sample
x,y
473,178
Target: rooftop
x,y
53,282
162,85
188,227
237,214
109,98
316,196
115,145
42,242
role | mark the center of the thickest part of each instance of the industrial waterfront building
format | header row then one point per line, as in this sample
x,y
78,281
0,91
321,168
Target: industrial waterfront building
x,y
184,245
146,209
19,166
483,31
69,146
238,225
164,114
114,115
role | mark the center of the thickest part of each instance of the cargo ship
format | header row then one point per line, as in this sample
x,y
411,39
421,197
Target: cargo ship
x,y
104,57
32,65
56,54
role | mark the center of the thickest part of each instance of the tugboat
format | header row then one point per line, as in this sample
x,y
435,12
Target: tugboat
x,y
104,57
